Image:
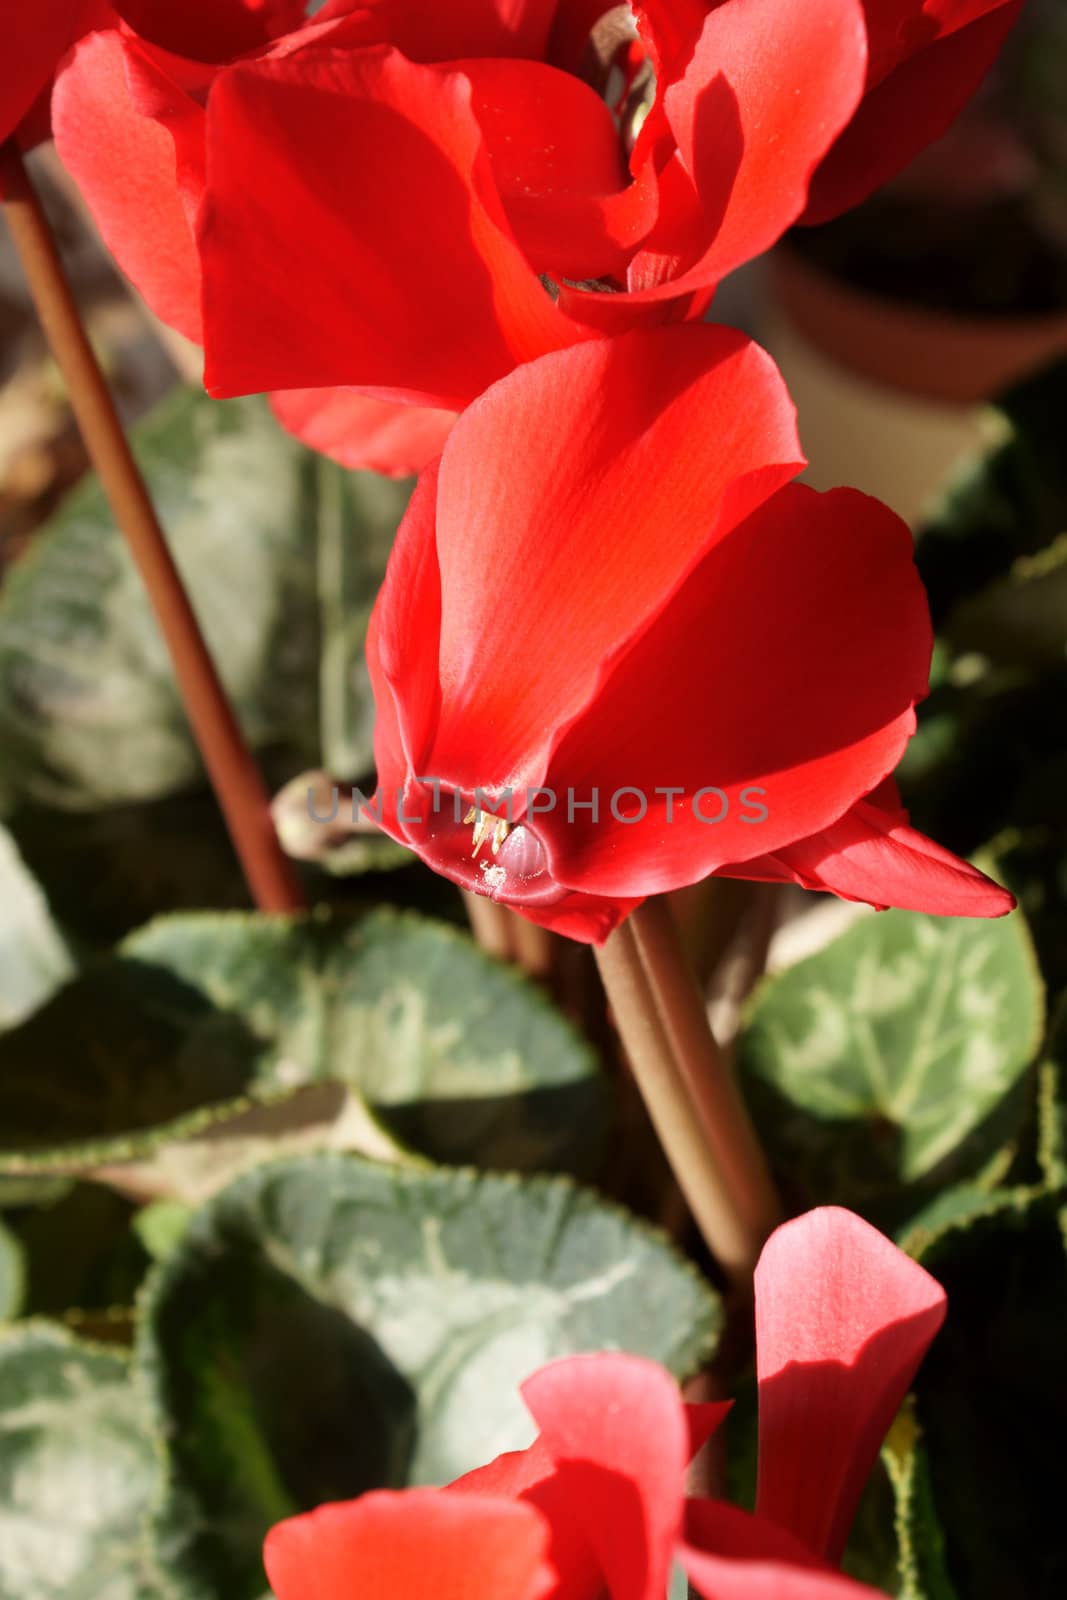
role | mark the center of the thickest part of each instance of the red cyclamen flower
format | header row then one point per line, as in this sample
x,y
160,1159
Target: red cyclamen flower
x,y
411,200
843,1319
35,39
130,125
616,651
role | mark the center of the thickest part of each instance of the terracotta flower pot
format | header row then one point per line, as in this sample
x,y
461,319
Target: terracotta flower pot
x,y
959,360
892,398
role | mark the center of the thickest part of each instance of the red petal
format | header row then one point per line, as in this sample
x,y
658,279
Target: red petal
x,y
419,1544
33,45
787,665
435,32
587,918
574,498
211,30
531,1475
759,98
118,118
402,642
899,29
704,1420
732,1556
379,192
616,1428
871,856
913,106
557,162
359,432
843,1319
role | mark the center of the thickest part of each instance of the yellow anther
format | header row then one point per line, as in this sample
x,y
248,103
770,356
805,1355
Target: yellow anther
x,y
487,828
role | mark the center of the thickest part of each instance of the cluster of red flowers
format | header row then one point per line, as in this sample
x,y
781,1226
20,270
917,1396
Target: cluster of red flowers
x,y
390,213
596,1508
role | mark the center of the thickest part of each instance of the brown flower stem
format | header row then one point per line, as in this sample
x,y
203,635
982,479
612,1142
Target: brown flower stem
x,y
489,924
675,1114
238,785
764,916
734,1147
709,915
532,946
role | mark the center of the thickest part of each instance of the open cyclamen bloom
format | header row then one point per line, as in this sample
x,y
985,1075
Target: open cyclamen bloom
x,y
843,1319
617,651
426,196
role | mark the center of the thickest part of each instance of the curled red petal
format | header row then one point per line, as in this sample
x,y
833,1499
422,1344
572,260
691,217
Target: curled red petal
x,y
131,137
873,856
33,45
843,1319
704,1420
374,190
211,30
591,1411
359,432
532,1475
436,32
730,1555
419,1544
559,542
912,106
402,644
772,691
557,162
751,104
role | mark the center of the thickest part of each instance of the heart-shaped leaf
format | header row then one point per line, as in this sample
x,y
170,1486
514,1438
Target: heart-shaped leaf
x,y
102,783
326,1325
198,1017
1009,503
991,1397
894,1061
1052,1104
12,1274
78,1468
89,711
34,958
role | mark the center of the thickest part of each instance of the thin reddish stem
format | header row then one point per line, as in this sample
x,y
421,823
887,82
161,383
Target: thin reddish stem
x,y
237,782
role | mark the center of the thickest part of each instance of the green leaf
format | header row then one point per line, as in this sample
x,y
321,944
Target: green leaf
x,y
80,1253
34,958
1033,864
12,1274
107,872
89,712
992,1404
896,1544
1011,502
103,786
161,1227
1020,620
327,1325
1052,1105
78,1468
996,757
920,1540
198,1017
894,1061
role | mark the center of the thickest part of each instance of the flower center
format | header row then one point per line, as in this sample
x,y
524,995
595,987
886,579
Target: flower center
x,y
478,848
487,827
617,67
